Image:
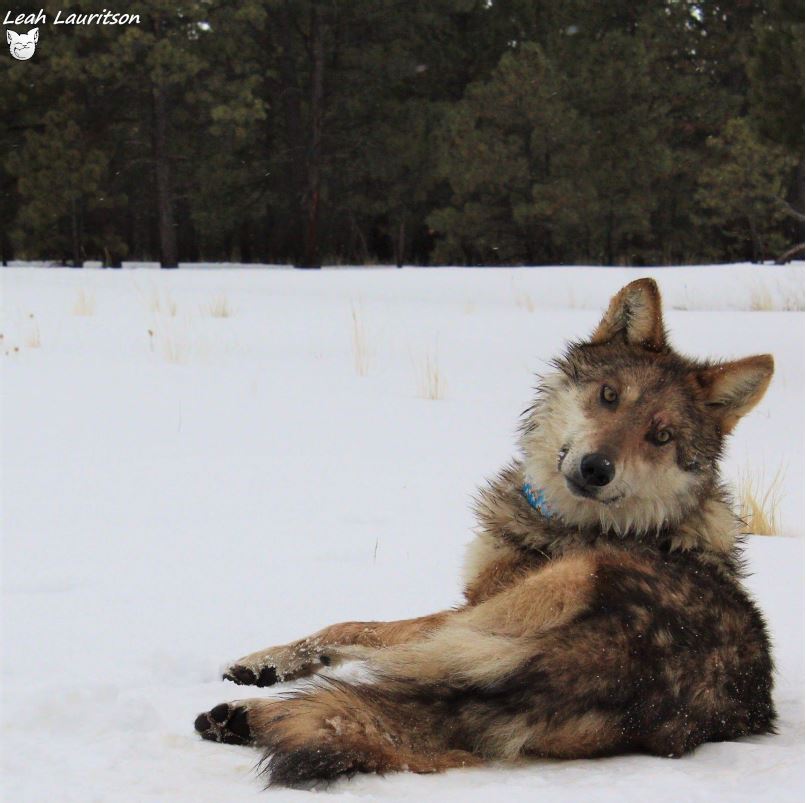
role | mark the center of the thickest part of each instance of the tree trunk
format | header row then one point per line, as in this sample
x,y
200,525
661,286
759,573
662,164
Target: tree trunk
x,y
162,172
245,242
132,244
111,260
362,241
609,255
311,254
290,240
758,247
6,252
75,240
400,244
162,175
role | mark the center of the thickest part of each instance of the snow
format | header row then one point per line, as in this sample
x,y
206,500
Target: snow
x,y
179,490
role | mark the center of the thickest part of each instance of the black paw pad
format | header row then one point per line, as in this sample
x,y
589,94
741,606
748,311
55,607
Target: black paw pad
x,y
239,724
267,676
224,723
202,723
241,675
244,676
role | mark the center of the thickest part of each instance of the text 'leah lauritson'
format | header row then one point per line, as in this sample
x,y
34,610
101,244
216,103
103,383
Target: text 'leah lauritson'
x,y
104,17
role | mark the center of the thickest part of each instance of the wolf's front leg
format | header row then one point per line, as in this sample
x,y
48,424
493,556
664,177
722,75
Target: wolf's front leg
x,y
342,642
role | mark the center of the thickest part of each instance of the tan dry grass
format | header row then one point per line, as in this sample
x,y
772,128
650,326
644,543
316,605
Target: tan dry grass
x,y
759,501
219,307
162,303
84,304
33,338
788,299
174,341
761,299
520,296
430,379
360,341
524,301
173,348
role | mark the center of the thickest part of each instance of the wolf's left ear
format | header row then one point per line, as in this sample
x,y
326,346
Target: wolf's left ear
x,y
634,314
733,389
35,33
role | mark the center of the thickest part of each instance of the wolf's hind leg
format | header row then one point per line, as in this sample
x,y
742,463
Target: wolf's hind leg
x,y
342,642
336,730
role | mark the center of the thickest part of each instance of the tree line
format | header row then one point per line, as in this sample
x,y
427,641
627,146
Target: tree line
x,y
408,131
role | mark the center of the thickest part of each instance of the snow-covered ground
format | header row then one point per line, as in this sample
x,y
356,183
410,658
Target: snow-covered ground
x,y
180,488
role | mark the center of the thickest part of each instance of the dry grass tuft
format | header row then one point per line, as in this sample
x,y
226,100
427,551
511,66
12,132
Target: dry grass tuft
x,y
523,300
84,304
759,501
793,302
173,348
218,308
520,296
173,342
360,341
760,299
788,299
33,339
430,381
162,303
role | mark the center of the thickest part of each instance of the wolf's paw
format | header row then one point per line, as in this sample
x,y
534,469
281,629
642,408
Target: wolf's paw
x,y
246,676
277,664
228,723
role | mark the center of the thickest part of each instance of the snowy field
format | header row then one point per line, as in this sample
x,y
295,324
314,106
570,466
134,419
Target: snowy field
x,y
194,467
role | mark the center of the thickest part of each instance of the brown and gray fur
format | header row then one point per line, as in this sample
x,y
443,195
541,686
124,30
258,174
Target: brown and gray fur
x,y
618,623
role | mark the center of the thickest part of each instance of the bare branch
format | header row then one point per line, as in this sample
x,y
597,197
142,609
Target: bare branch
x,y
790,210
792,252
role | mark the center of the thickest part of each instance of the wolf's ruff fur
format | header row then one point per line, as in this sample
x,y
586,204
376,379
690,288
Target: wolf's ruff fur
x,y
618,623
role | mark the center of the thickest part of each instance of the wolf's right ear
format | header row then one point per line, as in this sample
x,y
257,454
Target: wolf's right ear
x,y
733,389
634,314
11,37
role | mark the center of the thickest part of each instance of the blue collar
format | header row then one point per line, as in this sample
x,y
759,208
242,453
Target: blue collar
x,y
536,498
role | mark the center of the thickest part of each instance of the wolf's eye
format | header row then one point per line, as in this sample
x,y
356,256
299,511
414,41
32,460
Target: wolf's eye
x,y
608,395
662,436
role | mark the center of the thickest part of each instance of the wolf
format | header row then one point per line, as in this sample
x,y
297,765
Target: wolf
x,y
603,607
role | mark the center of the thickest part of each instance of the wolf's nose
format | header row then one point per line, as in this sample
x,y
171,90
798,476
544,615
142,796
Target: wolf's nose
x,y
596,469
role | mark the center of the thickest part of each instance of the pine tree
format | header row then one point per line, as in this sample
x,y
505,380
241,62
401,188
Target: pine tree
x,y
776,96
458,130
58,158
744,192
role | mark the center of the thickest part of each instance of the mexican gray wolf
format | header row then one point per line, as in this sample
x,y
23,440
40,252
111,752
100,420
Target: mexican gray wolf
x,y
603,607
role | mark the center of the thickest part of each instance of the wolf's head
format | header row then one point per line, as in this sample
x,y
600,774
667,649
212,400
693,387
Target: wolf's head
x,y
22,45
626,435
